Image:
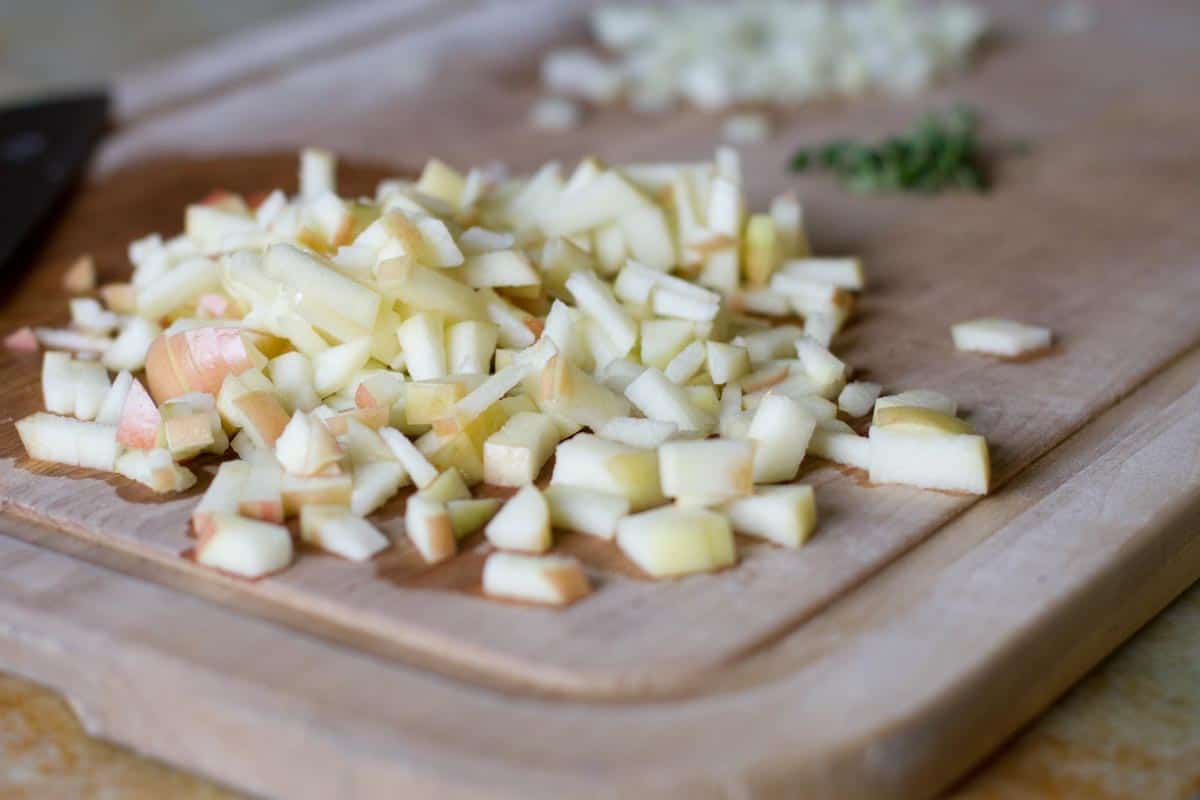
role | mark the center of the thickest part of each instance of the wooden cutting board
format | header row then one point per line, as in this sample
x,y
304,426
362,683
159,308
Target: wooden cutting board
x,y
805,668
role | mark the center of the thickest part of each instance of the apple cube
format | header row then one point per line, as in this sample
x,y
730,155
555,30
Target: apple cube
x,y
549,580
336,530
64,440
591,462
468,515
589,511
334,368
913,419
857,398
301,490
470,345
726,362
292,375
820,364
846,273
374,484
594,299
132,345
413,460
260,495
422,338
523,523
785,515
566,390
222,496
673,541
919,398
306,446
244,547
659,398
713,469
663,339
91,387
447,486
515,454
499,268
788,215
836,441
637,431
684,366
428,525
955,463
781,430
80,277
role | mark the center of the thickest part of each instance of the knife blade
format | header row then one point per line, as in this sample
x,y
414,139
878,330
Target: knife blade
x,y
43,147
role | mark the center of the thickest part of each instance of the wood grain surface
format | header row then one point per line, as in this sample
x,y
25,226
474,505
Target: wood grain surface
x,y
834,669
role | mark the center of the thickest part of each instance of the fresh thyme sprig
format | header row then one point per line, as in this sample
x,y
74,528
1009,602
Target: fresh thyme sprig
x,y
939,152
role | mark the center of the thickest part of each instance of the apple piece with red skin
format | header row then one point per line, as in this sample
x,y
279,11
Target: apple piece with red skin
x,y
195,360
140,419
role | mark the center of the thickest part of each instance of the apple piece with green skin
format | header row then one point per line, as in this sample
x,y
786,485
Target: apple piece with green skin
x,y
523,523
950,462
244,547
712,468
580,510
428,525
336,530
785,515
672,541
547,580
781,430
591,462
515,454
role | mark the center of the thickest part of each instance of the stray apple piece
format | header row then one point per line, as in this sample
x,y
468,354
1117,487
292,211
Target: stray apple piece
x,y
468,516
785,515
262,417
781,430
244,547
515,454
673,541
659,398
1000,337
413,460
637,431
549,580
836,441
523,523
292,375
336,530
375,483
955,463
318,172
91,387
154,469
448,485
591,462
22,340
857,398
334,368
222,496
80,277
89,316
589,511
919,398
846,273
428,525
132,345
712,468
260,495
65,440
299,491
470,345
120,298
306,446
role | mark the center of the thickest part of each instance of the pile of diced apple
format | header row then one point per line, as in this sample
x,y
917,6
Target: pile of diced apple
x,y
667,352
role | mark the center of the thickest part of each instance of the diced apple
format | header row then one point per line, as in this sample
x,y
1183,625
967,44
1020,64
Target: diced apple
x,y
499,268
470,345
114,399
713,469
684,366
637,431
306,446
334,368
569,392
515,454
673,541
154,469
292,375
777,342
919,398
132,345
761,249
196,360
363,444
600,201
658,398
913,419
648,237
663,339
591,462
468,515
956,463
91,387
846,273
80,277
443,182
244,547
336,530
262,417
726,362
523,523
120,298
1000,337
781,431
299,491
857,398
785,515
447,486
619,373
428,525
177,287
788,216
589,511
22,340
413,460
260,495
549,580
318,172
594,299
422,338
222,496
89,316
58,383
823,326
312,276
836,441
429,290
64,440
